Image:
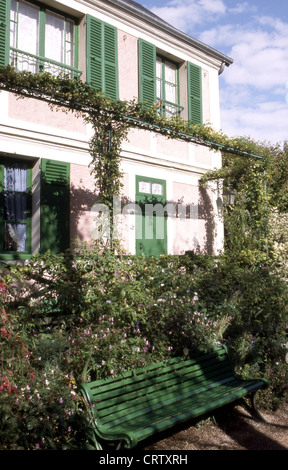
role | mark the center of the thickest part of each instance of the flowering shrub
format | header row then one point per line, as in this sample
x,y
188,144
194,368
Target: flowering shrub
x,y
94,313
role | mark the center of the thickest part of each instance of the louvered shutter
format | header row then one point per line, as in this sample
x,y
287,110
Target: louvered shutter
x,y
147,72
54,206
102,62
110,61
194,94
94,52
4,31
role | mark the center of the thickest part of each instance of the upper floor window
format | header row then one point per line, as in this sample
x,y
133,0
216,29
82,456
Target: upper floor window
x,y
42,40
167,87
159,84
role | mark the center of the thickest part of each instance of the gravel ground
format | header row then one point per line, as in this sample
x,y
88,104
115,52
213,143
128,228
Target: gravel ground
x,y
232,429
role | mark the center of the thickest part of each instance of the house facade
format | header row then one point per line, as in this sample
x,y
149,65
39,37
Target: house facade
x,y
46,187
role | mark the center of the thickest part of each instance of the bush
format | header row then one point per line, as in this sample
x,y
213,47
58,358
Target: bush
x,y
93,313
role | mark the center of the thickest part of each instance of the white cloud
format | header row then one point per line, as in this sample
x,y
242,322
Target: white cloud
x,y
259,50
184,14
244,7
263,122
253,89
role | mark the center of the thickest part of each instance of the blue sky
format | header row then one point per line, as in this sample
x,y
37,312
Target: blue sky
x,y
254,89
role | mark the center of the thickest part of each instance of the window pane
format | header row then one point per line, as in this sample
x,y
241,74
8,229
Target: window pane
x,y
170,79
159,79
14,237
24,35
28,28
170,92
69,42
170,72
159,68
15,207
157,188
144,187
13,24
55,37
15,177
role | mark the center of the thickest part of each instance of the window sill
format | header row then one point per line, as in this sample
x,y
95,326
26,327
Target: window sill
x,y
14,256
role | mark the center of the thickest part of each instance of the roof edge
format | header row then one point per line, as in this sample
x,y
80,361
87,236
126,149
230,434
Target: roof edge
x,y
141,12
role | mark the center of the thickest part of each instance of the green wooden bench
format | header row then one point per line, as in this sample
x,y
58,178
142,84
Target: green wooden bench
x,y
139,404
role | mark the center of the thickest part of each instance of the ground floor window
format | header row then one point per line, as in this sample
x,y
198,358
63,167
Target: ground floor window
x,y
15,232
34,207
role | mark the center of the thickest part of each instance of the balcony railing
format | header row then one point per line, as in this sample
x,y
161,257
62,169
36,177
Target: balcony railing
x,y
169,109
24,61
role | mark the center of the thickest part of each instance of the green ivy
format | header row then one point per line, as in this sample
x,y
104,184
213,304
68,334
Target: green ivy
x,y
255,171
111,121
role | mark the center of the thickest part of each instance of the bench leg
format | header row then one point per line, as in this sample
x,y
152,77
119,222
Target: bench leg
x,y
253,410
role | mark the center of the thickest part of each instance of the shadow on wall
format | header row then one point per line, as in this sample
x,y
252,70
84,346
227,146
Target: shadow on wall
x,y
81,203
206,212
83,199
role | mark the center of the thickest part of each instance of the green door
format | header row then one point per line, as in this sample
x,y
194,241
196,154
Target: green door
x,y
151,221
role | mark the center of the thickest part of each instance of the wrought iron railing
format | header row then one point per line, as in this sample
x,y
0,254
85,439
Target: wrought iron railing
x,y
169,109
24,61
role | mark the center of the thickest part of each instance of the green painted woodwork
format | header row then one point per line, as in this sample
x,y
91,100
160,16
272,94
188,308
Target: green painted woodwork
x,y
151,228
54,206
42,62
194,93
165,106
4,31
141,403
102,60
147,72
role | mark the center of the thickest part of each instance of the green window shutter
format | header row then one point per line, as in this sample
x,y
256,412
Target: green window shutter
x,y
4,31
94,52
110,61
194,94
102,60
54,206
147,72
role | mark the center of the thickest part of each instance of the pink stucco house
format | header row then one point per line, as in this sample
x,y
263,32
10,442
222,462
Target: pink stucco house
x,y
46,189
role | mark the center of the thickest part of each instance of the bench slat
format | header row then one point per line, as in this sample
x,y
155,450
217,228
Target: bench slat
x,y
138,404
115,387
171,388
171,415
152,407
156,370
165,423
153,404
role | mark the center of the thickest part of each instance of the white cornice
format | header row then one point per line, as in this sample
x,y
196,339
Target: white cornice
x,y
151,27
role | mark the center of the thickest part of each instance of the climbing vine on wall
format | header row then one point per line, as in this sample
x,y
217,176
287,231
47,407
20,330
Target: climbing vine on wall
x,y
248,166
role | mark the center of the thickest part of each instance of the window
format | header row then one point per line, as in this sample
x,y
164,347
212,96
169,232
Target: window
x,y
167,90
24,203
42,40
159,84
15,215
